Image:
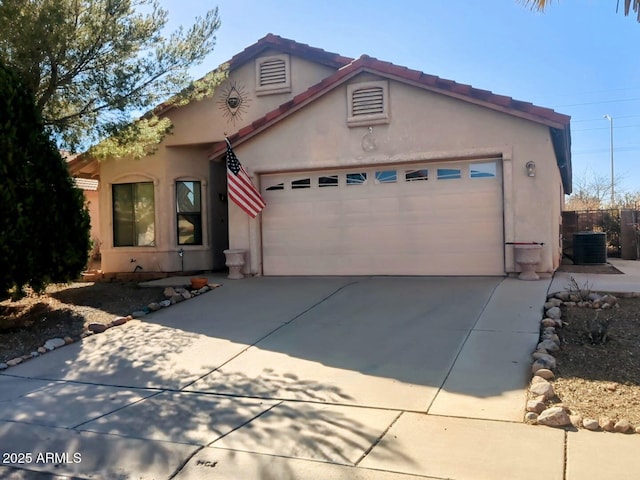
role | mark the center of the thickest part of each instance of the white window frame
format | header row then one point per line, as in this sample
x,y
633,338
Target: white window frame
x,y
368,119
284,87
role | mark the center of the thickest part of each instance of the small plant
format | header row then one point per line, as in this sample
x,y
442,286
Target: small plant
x,y
598,329
581,292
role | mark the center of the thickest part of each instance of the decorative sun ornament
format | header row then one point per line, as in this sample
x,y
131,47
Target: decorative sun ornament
x,y
233,102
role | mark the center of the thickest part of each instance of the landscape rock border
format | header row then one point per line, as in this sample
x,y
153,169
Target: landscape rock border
x,y
544,365
172,295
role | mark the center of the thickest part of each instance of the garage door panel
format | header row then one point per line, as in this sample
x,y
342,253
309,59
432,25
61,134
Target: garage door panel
x,y
432,227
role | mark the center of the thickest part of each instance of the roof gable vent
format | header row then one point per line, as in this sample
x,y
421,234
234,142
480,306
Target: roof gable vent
x,y
368,103
273,75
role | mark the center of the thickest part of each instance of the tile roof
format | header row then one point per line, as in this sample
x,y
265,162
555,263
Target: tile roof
x,y
271,41
467,93
432,83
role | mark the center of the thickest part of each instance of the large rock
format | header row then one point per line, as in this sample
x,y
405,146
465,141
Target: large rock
x,y
3,366
554,312
576,420
591,424
552,302
545,373
539,365
606,424
544,389
546,359
535,406
551,336
169,292
622,426
554,417
177,298
118,321
548,322
154,306
538,379
97,327
549,345
54,343
542,355
531,417
15,361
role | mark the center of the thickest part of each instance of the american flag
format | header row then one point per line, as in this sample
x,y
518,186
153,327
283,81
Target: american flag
x,y
241,188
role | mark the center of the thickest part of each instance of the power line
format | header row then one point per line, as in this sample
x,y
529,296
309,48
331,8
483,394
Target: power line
x,y
599,119
616,128
630,148
598,103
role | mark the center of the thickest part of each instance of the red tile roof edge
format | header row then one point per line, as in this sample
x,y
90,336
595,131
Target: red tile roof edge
x,y
433,83
292,47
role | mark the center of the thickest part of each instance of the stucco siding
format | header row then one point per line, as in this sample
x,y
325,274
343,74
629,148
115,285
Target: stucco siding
x,y
423,126
163,169
207,121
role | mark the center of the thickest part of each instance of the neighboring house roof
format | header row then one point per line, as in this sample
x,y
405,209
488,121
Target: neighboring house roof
x,y
558,123
79,167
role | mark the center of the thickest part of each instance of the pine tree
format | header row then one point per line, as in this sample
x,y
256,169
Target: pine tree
x,y
93,64
44,225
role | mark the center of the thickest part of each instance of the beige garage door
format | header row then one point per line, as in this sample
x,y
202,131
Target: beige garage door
x,y
420,219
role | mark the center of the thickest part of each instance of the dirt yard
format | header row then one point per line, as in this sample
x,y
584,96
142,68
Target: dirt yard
x,y
66,311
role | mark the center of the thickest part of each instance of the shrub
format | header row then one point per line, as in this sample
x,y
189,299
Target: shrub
x,y
44,225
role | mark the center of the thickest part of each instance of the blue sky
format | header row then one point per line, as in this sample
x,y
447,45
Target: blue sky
x,y
579,57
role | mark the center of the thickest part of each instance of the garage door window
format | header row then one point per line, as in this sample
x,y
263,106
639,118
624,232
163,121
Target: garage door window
x,y
328,181
416,175
448,173
482,170
277,186
302,183
386,176
356,178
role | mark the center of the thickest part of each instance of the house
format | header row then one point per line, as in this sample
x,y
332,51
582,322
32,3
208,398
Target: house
x,y
366,167
85,175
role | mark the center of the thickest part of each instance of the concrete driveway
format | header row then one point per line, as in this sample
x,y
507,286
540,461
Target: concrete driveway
x,y
277,378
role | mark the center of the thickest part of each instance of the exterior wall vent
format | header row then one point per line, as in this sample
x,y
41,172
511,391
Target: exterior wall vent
x,y
368,103
273,75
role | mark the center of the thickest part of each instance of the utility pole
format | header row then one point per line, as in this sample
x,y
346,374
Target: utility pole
x,y
610,118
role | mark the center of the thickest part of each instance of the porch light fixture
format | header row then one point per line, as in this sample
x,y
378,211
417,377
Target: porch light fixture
x,y
531,169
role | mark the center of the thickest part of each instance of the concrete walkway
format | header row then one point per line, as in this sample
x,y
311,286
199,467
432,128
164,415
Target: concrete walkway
x,y
372,378
628,281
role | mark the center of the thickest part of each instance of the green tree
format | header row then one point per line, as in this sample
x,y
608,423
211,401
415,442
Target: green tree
x,y
44,225
628,5
91,63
